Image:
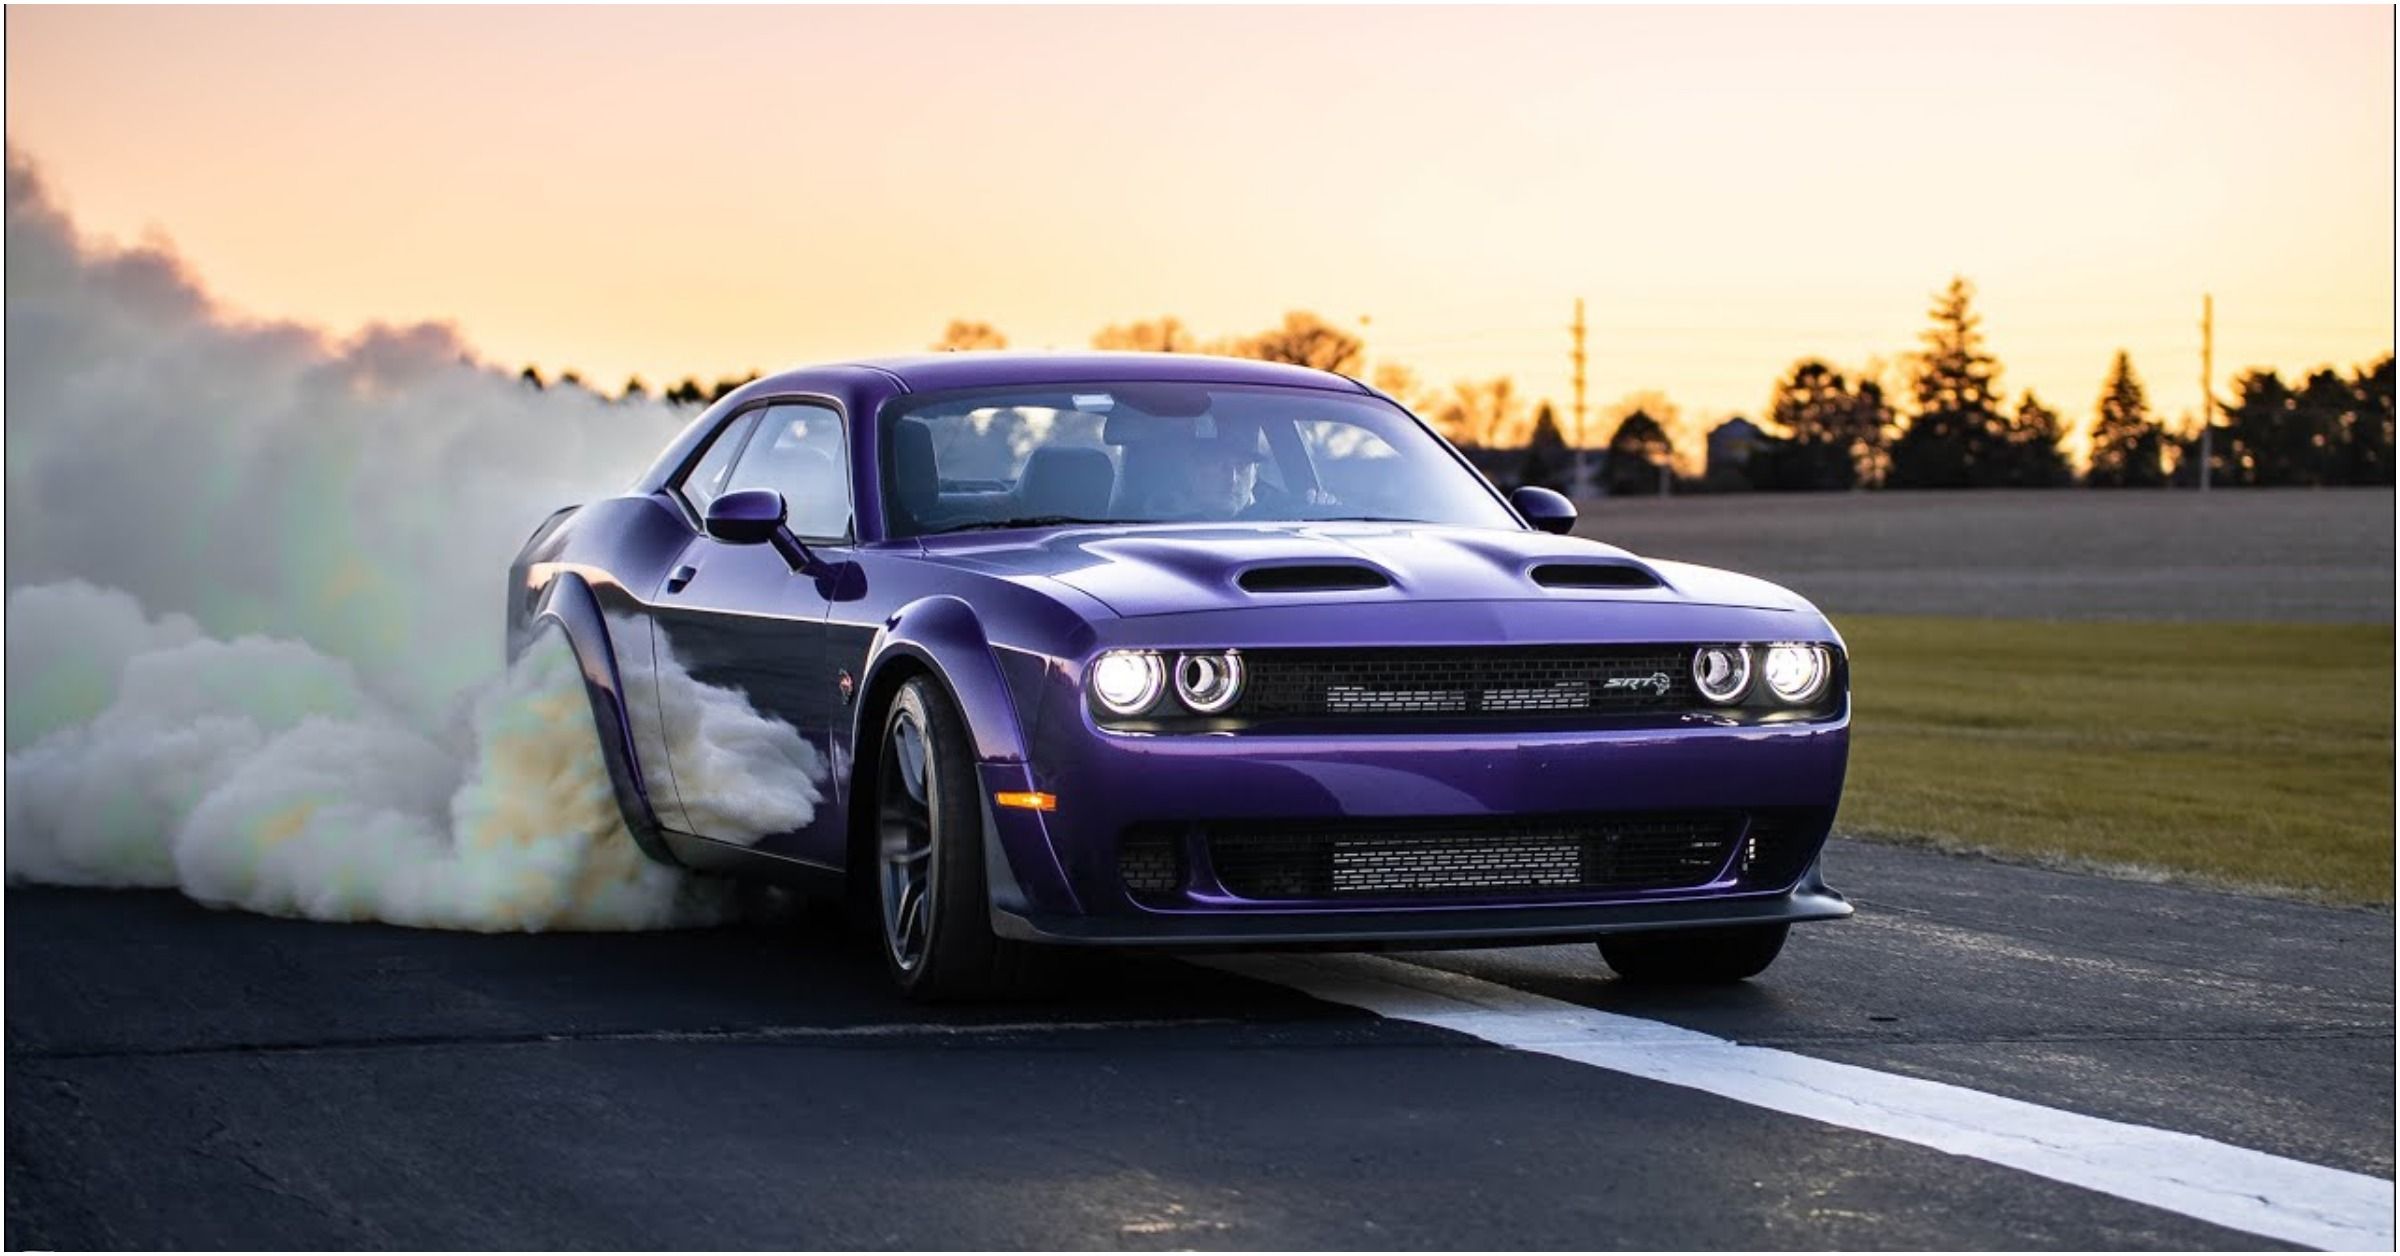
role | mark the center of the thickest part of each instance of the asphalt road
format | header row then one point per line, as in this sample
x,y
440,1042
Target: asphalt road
x,y
178,1077
2280,555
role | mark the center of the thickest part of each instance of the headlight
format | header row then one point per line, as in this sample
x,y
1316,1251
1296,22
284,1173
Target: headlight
x,y
1209,683
1128,682
1722,672
1797,673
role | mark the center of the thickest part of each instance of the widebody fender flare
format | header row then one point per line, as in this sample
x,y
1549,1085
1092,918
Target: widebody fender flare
x,y
942,634
568,602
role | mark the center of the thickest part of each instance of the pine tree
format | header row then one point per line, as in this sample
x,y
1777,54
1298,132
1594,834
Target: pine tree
x,y
2250,445
2128,446
1958,422
2314,444
1636,455
2369,440
1834,431
2031,457
1548,462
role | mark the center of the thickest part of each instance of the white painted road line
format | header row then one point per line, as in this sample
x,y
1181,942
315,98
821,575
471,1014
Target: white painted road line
x,y
2230,1186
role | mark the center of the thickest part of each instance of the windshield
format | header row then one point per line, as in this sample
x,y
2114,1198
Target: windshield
x,y
1167,453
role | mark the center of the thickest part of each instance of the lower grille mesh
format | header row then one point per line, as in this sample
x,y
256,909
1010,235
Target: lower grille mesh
x,y
1151,863
1406,858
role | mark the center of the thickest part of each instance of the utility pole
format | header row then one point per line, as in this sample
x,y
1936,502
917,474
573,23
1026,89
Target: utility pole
x,y
2208,395
1582,485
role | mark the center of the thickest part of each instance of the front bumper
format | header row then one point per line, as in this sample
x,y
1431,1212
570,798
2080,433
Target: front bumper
x,y
1056,876
1522,925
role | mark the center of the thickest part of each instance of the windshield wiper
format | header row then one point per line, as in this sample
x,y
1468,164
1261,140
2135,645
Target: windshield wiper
x,y
1028,521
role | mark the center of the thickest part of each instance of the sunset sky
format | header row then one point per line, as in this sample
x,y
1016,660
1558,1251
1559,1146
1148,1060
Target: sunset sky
x,y
707,190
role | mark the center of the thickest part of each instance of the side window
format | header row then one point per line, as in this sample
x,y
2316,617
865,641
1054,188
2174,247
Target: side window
x,y
800,452
706,479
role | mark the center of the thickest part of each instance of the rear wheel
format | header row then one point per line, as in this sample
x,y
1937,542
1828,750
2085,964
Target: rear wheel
x,y
1694,956
929,883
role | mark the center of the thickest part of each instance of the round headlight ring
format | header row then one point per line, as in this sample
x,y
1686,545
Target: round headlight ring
x,y
1796,672
1128,682
1209,683
1722,672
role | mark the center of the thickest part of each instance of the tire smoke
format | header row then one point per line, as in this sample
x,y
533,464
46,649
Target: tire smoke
x,y
254,641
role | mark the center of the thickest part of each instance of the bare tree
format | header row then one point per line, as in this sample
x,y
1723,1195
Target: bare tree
x,y
1164,334
1304,340
1402,385
964,334
1482,413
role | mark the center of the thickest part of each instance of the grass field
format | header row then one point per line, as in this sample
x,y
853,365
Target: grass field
x,y
2256,756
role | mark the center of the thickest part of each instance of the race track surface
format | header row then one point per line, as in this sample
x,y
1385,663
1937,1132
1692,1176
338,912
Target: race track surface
x,y
2265,555
179,1077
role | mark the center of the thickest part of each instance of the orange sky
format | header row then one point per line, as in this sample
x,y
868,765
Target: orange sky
x,y
705,190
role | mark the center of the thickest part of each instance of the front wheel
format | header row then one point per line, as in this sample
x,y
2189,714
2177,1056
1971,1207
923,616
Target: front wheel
x,y
929,881
1694,956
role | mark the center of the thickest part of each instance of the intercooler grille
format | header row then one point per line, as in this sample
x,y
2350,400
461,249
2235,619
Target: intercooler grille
x,y
1303,684
1408,858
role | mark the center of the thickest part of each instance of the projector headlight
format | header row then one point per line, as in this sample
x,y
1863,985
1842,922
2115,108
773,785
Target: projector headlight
x,y
1209,683
1722,672
1796,672
1128,682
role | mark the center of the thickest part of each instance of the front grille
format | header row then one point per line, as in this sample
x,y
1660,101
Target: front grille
x,y
1538,680
1408,858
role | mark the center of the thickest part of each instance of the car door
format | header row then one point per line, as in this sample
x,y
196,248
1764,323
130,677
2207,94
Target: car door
x,y
747,694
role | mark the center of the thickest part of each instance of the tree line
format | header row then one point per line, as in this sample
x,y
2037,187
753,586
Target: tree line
x,y
1960,432
1952,426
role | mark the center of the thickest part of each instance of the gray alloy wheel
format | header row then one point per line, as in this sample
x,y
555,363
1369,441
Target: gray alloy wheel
x,y
1694,956
904,837
928,854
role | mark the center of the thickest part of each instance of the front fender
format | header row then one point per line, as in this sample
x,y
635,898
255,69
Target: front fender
x,y
568,602
943,635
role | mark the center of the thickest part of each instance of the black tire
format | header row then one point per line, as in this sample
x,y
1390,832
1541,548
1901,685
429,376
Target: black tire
x,y
928,847
1694,956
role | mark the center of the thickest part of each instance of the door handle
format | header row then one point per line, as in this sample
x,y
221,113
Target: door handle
x,y
681,577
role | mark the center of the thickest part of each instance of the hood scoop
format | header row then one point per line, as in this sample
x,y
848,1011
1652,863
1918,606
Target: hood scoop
x,y
1312,578
1593,576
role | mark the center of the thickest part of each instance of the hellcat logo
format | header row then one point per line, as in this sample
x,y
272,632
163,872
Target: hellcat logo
x,y
1656,682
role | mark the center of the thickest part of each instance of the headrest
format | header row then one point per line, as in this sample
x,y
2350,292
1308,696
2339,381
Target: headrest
x,y
916,481
1238,437
1072,480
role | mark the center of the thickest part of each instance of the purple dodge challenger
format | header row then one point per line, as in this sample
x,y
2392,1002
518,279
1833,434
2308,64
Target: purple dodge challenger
x,y
1149,649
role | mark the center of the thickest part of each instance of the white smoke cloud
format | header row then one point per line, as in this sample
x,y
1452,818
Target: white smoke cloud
x,y
254,618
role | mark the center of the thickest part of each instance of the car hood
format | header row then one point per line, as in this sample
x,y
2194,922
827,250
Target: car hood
x,y
1177,569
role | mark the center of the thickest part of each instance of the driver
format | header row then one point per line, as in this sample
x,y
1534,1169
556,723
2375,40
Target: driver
x,y
1209,472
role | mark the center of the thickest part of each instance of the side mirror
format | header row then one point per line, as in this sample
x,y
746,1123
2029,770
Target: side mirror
x,y
754,516
1544,509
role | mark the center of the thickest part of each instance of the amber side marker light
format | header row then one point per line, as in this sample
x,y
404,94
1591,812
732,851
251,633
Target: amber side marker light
x,y
1027,800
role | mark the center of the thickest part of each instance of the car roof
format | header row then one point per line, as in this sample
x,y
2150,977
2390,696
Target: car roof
x,y
984,368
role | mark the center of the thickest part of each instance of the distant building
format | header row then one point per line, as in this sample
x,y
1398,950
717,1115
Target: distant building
x,y
1730,445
